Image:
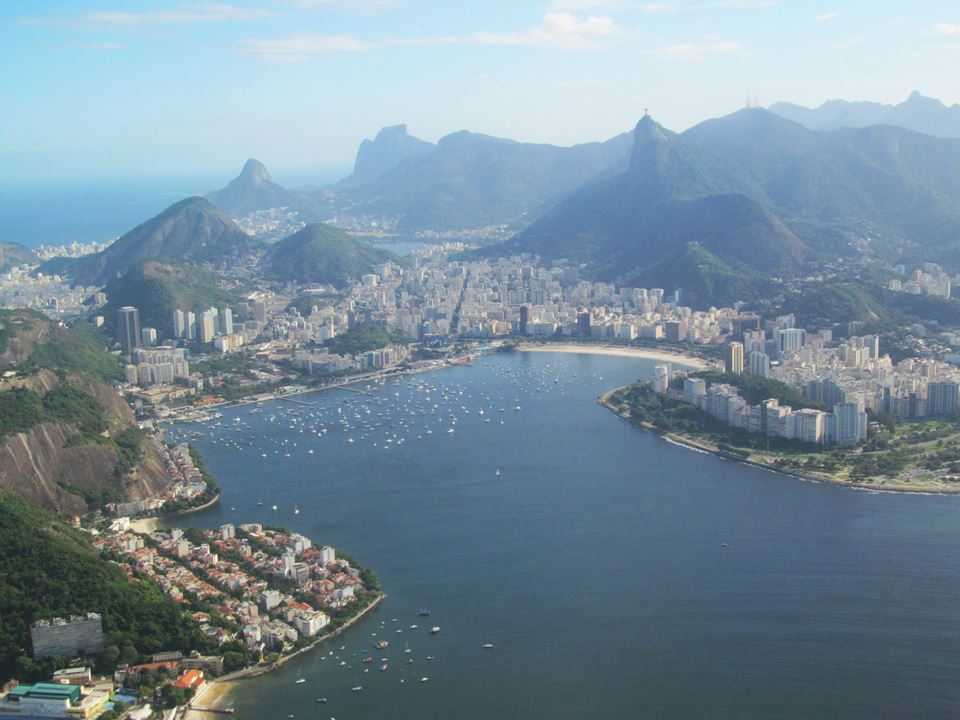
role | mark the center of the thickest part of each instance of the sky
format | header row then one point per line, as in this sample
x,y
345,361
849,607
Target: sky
x,y
114,89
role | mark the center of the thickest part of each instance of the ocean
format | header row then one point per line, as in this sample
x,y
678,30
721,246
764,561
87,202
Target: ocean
x,y
615,574
61,212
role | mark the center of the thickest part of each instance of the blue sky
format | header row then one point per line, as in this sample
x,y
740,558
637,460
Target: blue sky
x,y
139,87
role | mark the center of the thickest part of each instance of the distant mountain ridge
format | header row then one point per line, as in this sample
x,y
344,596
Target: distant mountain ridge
x,y
192,231
753,193
918,113
471,180
379,156
253,190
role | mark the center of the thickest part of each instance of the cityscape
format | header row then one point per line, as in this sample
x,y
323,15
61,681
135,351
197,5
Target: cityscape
x,y
348,349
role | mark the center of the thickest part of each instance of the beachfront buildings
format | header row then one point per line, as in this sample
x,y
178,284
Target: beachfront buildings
x,y
845,426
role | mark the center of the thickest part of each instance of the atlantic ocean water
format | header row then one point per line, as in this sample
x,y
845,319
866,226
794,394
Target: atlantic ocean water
x,y
616,575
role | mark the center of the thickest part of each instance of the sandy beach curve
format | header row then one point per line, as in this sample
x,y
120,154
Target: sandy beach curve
x,y
637,352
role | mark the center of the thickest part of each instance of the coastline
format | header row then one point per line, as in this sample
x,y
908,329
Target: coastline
x,y
224,683
621,351
704,447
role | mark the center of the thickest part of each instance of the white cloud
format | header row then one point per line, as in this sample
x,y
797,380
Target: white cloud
x,y
587,5
191,13
303,46
557,30
849,43
824,17
945,30
695,52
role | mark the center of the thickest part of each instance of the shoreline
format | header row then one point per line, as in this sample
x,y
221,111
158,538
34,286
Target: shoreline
x,y
261,670
700,446
617,350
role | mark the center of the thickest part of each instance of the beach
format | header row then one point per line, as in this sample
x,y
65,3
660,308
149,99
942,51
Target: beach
x,y
211,696
637,352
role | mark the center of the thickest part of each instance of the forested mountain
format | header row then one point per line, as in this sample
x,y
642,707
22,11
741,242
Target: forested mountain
x,y
755,193
190,232
323,254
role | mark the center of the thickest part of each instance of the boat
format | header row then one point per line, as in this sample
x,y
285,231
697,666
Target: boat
x,y
498,472
488,645
357,688
383,667
424,679
300,681
435,629
321,700
296,510
423,612
368,659
273,507
382,644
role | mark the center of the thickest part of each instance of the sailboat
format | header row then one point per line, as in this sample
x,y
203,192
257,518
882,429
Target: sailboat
x,y
498,472
296,510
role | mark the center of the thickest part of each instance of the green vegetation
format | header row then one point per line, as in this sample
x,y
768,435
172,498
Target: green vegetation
x,y
129,443
22,409
324,254
916,455
48,569
157,288
80,347
360,340
756,389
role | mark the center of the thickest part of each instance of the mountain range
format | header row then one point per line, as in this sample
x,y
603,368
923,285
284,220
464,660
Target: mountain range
x,y
377,157
756,193
918,113
464,182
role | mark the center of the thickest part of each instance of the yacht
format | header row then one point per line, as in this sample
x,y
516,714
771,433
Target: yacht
x,y
435,629
300,681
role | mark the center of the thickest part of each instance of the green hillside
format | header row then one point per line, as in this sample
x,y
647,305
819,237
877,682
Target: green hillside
x,y
191,232
48,569
157,288
321,253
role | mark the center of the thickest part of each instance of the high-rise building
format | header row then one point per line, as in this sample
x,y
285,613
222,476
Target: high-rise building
x,y
758,363
148,336
67,637
675,331
790,340
524,318
191,326
129,329
848,425
226,321
733,358
207,326
179,324
583,324
943,398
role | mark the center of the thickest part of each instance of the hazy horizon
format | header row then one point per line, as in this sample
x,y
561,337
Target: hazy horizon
x,y
107,89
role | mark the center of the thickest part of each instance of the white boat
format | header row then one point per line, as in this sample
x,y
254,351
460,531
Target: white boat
x,y
488,645
300,681
296,510
273,507
357,688
498,472
435,629
424,679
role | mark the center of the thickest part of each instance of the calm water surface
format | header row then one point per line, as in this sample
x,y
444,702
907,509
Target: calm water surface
x,y
617,575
